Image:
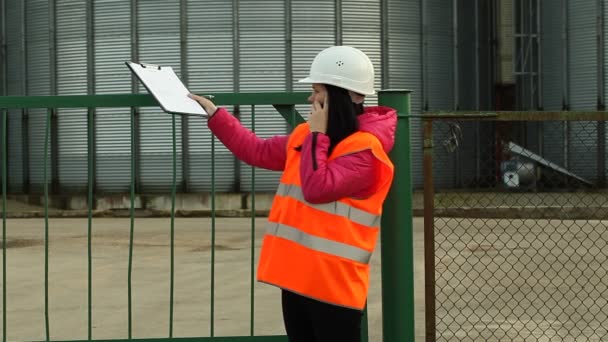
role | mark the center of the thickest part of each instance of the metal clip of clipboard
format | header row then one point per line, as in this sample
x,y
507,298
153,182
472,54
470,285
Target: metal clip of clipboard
x,y
146,65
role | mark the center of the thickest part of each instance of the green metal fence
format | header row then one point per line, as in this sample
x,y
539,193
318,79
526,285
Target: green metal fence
x,y
397,251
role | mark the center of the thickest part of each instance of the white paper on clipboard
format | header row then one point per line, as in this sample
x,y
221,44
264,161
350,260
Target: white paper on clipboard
x,y
167,89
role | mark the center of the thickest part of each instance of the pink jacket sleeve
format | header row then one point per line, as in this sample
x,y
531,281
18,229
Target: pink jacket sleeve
x,y
325,181
268,153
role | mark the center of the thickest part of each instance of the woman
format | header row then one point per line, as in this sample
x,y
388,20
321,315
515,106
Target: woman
x,y
325,217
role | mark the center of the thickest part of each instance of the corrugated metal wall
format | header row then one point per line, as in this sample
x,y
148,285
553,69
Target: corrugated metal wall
x,y
261,55
553,73
159,43
438,65
14,49
72,80
262,67
582,68
211,68
405,71
38,83
112,41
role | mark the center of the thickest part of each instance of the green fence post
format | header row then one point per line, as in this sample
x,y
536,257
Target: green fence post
x,y
397,230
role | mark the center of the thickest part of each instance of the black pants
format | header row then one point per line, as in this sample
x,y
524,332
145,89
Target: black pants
x,y
308,320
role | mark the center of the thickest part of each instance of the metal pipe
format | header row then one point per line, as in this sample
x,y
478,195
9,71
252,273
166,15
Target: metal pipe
x,y
338,16
429,234
423,63
398,323
25,131
4,49
90,19
455,51
384,47
566,83
530,55
456,160
539,54
601,125
539,80
565,68
477,97
53,88
135,90
184,119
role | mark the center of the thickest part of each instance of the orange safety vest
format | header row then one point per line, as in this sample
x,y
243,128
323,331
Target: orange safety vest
x,y
322,251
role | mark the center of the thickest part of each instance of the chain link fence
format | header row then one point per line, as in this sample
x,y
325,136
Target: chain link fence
x,y
516,229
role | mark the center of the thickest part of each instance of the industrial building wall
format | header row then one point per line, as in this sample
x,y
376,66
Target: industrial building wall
x,y
246,45
573,78
215,46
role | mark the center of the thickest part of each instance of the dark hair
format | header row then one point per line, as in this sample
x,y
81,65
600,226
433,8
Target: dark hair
x,y
342,115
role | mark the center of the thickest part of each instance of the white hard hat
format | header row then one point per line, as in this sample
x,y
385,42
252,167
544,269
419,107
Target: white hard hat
x,y
345,67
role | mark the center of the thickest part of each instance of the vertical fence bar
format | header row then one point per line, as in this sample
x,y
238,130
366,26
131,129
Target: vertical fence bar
x,y
212,233
173,191
132,225
429,233
397,230
91,181
47,131
4,190
252,228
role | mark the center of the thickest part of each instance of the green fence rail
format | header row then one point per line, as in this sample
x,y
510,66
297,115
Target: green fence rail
x,y
397,251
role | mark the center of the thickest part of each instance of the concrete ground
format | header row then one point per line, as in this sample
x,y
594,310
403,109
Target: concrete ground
x,y
68,311
497,279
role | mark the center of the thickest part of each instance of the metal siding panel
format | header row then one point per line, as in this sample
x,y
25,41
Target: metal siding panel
x,y
15,80
583,86
36,126
38,71
38,61
404,63
15,151
552,78
313,29
72,80
159,43
210,59
465,158
582,54
262,62
440,77
361,28
112,27
14,49
553,138
553,63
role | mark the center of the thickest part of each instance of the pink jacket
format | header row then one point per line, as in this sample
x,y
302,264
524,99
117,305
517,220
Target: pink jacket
x,y
347,176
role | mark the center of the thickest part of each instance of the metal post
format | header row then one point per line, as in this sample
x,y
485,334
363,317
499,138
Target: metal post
x,y
183,34
53,85
338,17
25,130
601,105
384,46
397,230
4,58
429,234
91,84
134,90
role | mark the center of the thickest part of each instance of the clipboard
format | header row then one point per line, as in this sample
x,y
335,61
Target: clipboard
x,y
167,89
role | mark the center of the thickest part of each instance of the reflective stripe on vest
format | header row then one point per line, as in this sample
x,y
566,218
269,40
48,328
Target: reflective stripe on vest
x,y
319,244
336,208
